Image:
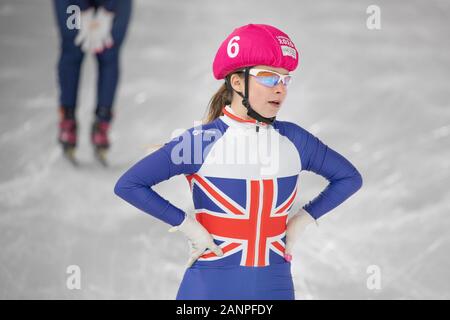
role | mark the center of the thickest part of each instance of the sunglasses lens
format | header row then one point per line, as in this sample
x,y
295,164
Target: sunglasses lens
x,y
270,79
267,79
287,80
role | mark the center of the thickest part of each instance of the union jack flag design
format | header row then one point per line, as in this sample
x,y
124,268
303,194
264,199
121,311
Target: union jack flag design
x,y
247,218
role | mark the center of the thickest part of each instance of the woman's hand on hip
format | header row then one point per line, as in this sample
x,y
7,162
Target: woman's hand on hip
x,y
199,239
295,226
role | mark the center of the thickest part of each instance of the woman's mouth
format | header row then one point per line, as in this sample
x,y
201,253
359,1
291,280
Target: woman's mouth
x,y
275,103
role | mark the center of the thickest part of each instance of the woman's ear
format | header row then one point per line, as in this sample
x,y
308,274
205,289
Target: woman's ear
x,y
237,83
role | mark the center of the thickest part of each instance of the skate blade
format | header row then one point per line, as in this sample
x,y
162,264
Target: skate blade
x,y
100,155
69,154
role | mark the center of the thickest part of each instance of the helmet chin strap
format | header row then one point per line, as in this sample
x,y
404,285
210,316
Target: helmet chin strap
x,y
250,111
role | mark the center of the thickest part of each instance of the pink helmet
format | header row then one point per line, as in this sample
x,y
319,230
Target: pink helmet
x,y
255,44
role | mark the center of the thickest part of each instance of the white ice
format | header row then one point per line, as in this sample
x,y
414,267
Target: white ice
x,y
380,97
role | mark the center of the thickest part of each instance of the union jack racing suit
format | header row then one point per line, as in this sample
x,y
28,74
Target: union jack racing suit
x,y
243,176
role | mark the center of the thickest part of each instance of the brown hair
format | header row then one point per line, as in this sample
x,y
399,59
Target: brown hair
x,y
222,97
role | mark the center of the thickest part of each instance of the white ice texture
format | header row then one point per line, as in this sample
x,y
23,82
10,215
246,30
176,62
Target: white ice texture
x,y
379,97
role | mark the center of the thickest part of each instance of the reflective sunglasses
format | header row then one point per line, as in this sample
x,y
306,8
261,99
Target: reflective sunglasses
x,y
270,78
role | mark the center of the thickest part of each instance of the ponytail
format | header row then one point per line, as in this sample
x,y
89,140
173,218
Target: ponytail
x,y
221,98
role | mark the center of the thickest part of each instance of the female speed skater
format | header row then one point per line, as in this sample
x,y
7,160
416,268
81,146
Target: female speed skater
x,y
242,167
103,25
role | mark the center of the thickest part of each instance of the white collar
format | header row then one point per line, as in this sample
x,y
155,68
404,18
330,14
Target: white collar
x,y
232,119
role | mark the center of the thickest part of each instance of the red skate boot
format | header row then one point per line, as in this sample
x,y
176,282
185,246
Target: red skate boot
x,y
67,135
99,139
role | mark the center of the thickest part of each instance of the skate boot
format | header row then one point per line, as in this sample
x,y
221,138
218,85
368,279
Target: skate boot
x,y
99,139
67,135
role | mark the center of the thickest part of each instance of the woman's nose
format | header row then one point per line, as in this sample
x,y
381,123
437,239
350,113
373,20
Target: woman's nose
x,y
280,88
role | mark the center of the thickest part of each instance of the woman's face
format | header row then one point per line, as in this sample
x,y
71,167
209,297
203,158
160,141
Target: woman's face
x,y
264,100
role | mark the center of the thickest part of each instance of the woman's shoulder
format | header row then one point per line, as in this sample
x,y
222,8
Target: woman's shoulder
x,y
290,129
204,132
215,127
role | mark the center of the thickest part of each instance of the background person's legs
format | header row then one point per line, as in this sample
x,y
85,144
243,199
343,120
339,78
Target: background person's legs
x,y
108,75
69,66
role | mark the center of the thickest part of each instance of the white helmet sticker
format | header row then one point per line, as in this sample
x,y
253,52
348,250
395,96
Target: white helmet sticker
x,y
287,47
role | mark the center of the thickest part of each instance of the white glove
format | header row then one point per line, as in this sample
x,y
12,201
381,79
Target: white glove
x,y
84,35
101,33
295,226
200,239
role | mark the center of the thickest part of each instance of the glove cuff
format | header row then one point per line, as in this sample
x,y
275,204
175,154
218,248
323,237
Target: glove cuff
x,y
178,227
105,13
306,218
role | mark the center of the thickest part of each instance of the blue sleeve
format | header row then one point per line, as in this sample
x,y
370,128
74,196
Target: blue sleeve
x,y
135,185
344,179
109,5
83,4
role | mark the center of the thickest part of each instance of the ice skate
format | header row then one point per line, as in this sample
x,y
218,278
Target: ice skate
x,y
67,137
100,142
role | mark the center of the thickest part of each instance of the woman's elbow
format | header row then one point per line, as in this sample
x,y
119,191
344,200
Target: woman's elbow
x,y
357,181
121,187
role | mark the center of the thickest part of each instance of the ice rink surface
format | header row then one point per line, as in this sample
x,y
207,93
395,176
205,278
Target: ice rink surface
x,y
379,97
